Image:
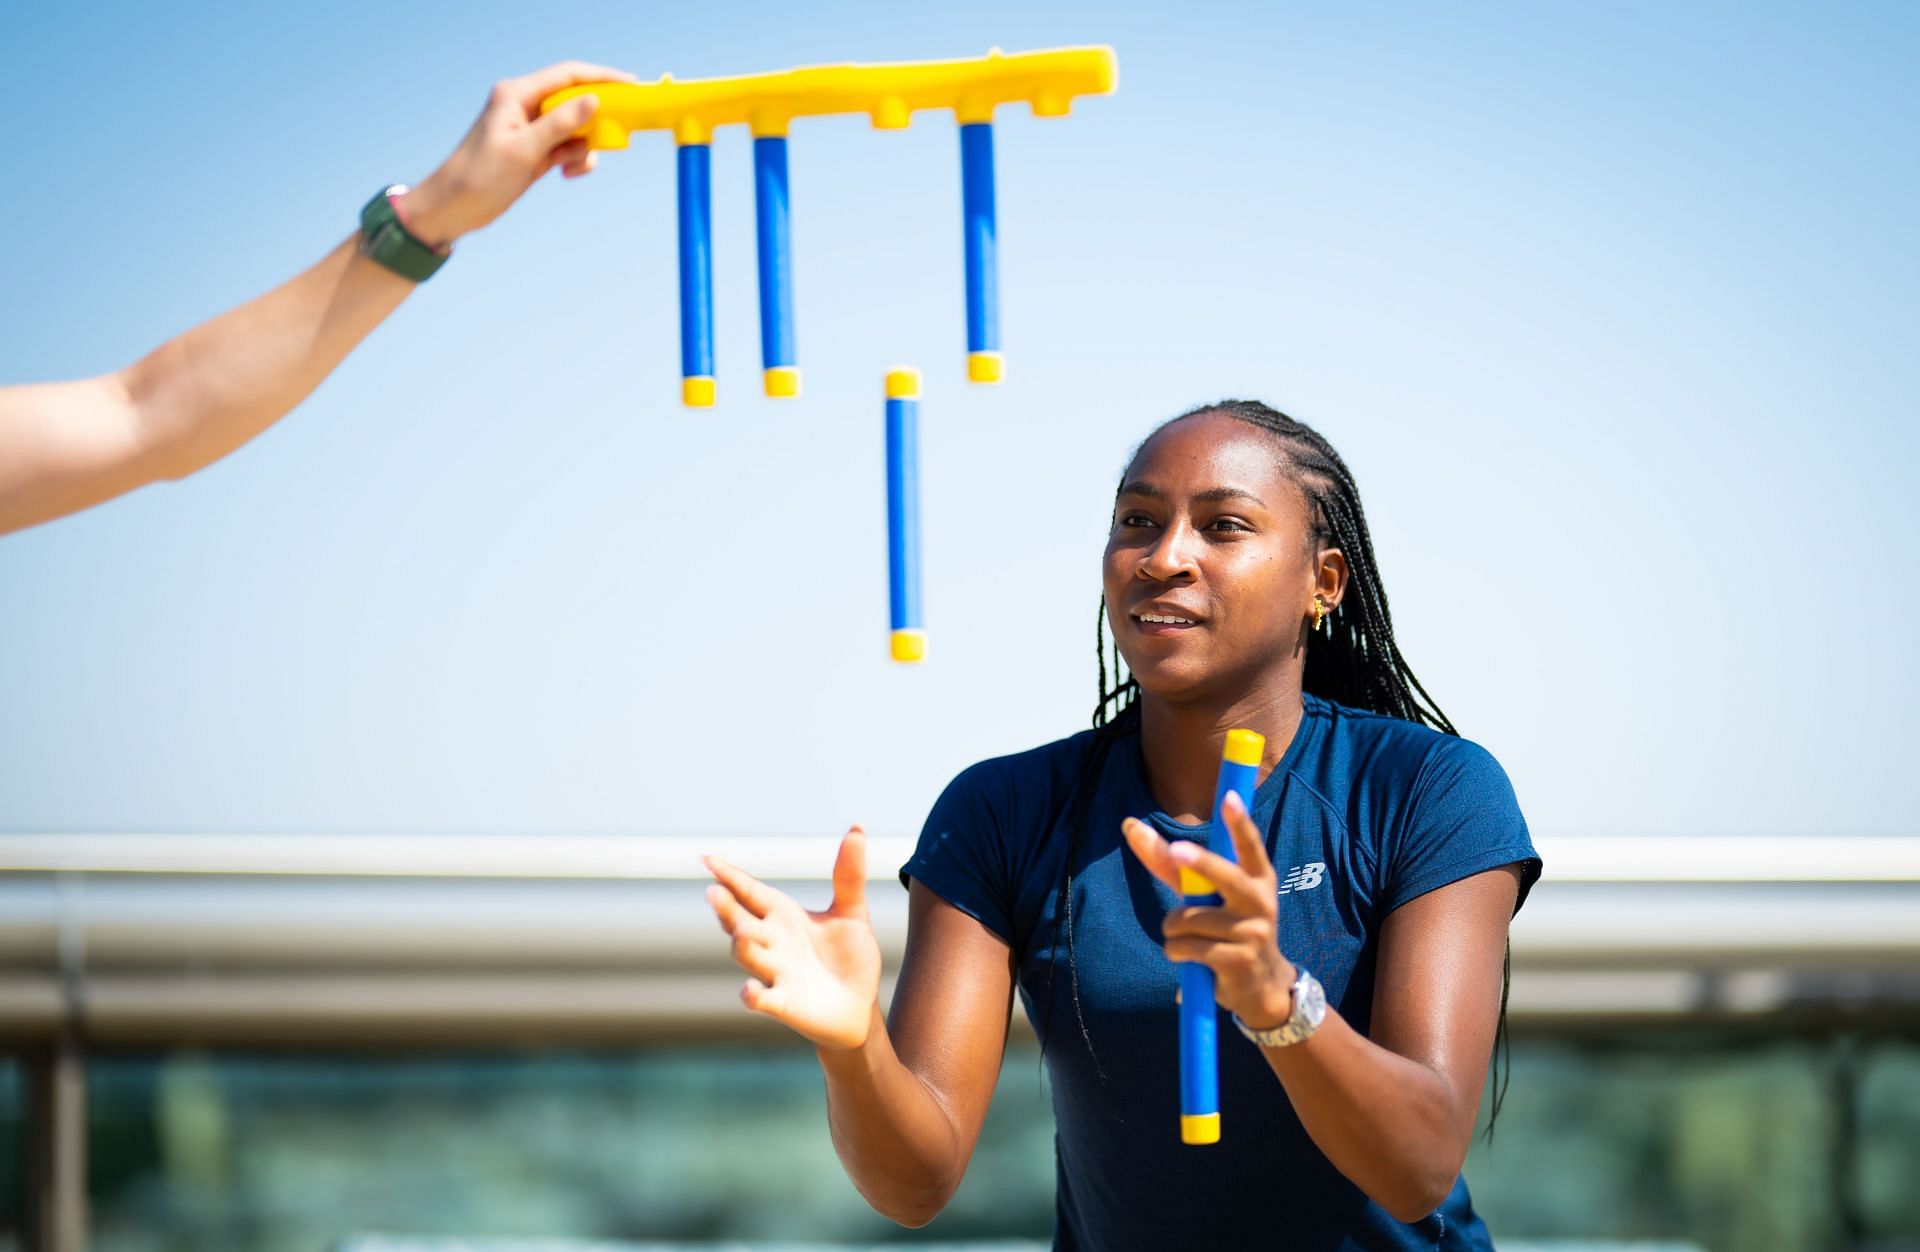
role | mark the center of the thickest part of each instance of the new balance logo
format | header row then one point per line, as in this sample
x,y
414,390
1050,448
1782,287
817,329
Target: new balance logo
x,y
1304,877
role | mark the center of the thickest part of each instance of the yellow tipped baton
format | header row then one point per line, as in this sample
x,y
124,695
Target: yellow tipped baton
x,y
1199,1017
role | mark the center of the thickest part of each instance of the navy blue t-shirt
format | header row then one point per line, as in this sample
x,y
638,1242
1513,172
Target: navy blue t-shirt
x,y
1362,814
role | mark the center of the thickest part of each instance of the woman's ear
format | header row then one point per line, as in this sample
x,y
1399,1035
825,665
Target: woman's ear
x,y
1330,576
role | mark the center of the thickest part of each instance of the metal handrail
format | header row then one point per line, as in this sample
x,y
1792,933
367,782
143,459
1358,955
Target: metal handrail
x,y
1572,858
152,939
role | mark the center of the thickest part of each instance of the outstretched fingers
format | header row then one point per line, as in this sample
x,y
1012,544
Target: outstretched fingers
x,y
1151,850
734,918
752,948
1248,843
755,896
850,875
1243,886
1241,891
762,997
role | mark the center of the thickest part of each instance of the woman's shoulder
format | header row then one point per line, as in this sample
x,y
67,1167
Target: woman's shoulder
x,y
1393,748
1387,776
1035,774
986,832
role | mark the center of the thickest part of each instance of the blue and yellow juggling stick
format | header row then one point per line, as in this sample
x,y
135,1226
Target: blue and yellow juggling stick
x,y
782,376
696,273
909,640
890,93
985,364
1199,1018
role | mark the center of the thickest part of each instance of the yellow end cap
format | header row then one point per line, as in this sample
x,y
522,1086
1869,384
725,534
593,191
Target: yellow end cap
x,y
986,367
903,383
909,645
1244,747
696,393
783,381
1200,1128
1194,883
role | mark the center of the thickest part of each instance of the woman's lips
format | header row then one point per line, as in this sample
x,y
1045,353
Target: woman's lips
x,y
1157,625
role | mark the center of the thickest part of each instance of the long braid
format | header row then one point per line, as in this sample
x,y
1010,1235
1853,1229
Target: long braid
x,y
1078,805
1117,700
1110,722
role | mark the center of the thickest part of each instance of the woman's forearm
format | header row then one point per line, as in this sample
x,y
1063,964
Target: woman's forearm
x,y
1396,1128
65,446
896,1140
205,393
1394,1113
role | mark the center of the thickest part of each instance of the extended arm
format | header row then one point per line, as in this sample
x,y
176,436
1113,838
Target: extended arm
x,y
905,1096
906,1109
65,446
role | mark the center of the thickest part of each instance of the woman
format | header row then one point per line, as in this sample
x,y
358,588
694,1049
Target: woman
x,y
1382,860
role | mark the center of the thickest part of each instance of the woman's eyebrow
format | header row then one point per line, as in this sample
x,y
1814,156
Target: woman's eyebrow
x,y
1212,495
1216,495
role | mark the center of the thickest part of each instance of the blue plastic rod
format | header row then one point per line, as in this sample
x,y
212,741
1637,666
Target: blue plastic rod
x,y
985,363
1199,1018
696,274
776,266
908,627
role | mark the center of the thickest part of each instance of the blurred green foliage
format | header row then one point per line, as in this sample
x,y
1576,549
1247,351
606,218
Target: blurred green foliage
x,y
1735,1145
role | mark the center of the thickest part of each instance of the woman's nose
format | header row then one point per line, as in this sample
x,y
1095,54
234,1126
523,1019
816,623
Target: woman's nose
x,y
1172,556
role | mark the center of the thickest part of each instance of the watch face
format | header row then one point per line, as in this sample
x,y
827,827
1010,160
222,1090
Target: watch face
x,y
1311,1006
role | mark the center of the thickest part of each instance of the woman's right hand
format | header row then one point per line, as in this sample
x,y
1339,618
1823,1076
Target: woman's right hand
x,y
509,147
817,972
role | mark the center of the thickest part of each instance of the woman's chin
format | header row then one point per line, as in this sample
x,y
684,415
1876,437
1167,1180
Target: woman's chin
x,y
1173,683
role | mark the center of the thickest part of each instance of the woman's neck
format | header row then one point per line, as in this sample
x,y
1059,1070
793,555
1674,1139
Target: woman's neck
x,y
1181,744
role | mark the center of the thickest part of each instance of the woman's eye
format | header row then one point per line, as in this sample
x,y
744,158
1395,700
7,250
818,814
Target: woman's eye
x,y
1135,519
1229,523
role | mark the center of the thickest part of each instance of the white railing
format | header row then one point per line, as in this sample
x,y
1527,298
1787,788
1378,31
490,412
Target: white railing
x,y
799,858
140,939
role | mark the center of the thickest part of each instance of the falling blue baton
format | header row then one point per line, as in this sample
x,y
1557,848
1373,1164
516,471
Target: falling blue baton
x,y
909,635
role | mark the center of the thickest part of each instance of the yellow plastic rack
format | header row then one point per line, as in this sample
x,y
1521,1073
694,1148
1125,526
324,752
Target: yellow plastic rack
x,y
889,92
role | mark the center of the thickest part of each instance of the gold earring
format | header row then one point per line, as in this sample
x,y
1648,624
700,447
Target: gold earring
x,y
1319,612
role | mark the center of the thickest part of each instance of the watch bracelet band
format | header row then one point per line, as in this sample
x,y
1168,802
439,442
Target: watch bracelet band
x,y
385,240
1300,1024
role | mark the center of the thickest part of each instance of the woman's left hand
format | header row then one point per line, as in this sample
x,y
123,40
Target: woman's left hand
x,y
1238,939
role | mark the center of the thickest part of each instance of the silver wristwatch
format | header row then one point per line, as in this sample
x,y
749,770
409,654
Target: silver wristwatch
x,y
1309,1010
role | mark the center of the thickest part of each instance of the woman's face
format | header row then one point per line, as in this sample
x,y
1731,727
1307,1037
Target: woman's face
x,y
1211,566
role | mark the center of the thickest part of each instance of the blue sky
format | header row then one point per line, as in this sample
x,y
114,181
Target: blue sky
x,y
1612,309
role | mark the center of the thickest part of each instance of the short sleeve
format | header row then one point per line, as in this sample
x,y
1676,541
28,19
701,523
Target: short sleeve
x,y
1463,819
962,853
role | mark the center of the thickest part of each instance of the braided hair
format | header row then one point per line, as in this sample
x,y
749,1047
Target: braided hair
x,y
1353,661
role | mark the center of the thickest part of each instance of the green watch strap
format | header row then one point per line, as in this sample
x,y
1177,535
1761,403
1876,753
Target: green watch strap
x,y
384,240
